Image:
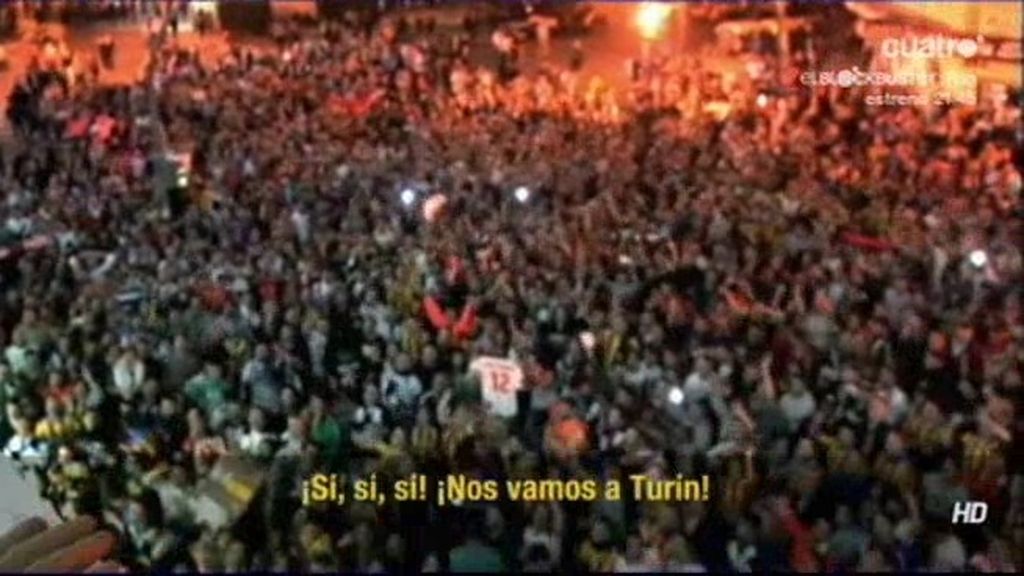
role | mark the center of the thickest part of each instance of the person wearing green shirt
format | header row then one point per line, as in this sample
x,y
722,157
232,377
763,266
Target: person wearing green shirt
x,y
467,392
329,434
475,556
207,389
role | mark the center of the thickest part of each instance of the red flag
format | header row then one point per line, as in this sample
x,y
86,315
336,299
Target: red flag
x,y
103,128
358,107
77,128
868,242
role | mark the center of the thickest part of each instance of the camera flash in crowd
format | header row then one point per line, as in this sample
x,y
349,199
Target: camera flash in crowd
x,y
588,341
675,395
978,258
522,194
762,100
408,196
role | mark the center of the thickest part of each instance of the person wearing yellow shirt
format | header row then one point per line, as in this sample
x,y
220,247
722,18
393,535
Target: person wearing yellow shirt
x,y
461,428
414,340
405,295
982,461
49,430
978,452
69,479
834,450
740,483
893,467
597,554
928,433
77,422
55,426
394,454
425,438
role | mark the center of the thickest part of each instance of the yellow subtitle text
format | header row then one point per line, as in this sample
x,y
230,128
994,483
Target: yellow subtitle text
x,y
458,489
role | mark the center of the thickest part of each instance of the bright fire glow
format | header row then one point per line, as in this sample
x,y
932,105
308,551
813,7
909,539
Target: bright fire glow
x,y
651,19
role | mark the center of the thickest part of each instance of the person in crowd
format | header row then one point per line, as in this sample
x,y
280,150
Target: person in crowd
x,y
814,302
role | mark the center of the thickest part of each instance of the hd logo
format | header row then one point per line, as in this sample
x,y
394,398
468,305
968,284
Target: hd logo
x,y
970,512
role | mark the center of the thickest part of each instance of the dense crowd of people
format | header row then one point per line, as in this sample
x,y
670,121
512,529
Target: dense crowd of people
x,y
97,11
813,302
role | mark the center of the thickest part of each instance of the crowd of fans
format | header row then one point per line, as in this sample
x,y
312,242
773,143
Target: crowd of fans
x,y
834,289
91,12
